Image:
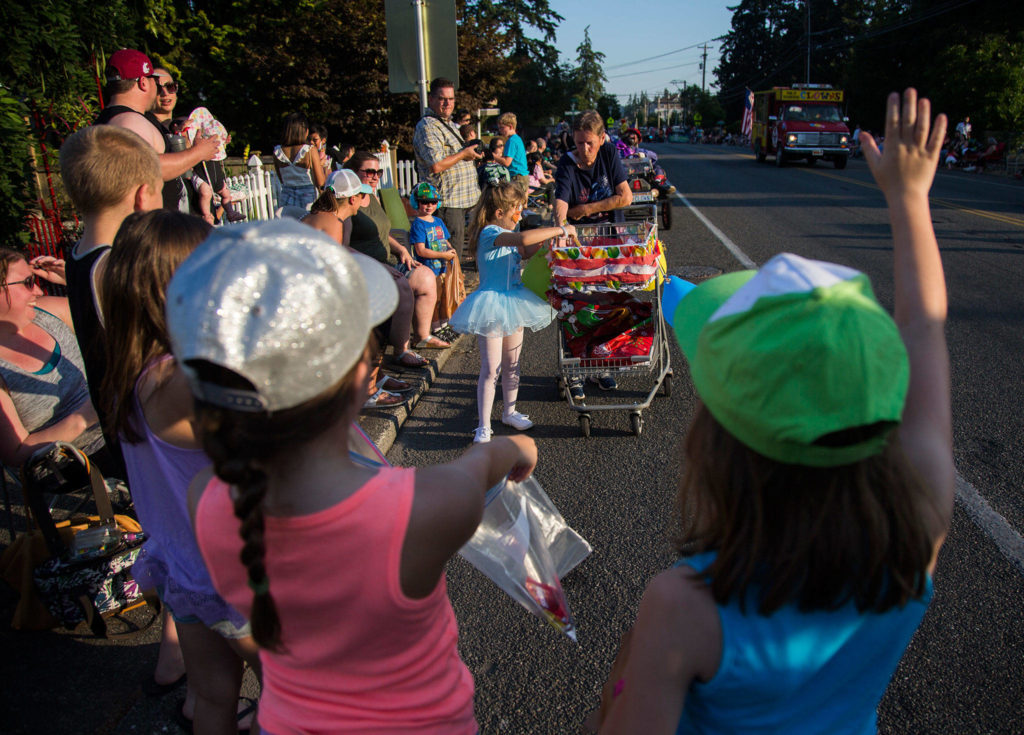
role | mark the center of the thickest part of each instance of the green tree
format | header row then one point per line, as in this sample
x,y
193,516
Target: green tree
x,y
536,88
53,55
608,106
16,171
761,48
589,75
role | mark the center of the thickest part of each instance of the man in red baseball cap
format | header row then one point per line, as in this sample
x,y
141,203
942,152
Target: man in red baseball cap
x,y
131,92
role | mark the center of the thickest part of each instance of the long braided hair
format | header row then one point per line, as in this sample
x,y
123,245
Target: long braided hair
x,y
241,445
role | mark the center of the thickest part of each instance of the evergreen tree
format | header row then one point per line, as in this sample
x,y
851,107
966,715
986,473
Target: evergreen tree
x,y
589,77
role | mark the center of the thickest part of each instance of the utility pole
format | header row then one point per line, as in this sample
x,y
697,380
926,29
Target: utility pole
x,y
808,4
703,67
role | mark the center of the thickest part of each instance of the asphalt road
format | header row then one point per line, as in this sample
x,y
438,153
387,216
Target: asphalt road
x,y
964,672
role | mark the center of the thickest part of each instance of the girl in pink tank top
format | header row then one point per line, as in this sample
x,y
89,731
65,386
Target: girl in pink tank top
x,y
339,567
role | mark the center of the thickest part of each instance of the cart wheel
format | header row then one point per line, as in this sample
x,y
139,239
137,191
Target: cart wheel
x,y
585,425
562,394
666,385
666,215
638,423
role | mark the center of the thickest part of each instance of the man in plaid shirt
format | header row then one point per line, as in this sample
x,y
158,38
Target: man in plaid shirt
x,y
442,159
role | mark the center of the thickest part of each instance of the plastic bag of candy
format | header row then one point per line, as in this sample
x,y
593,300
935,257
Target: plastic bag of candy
x,y
524,545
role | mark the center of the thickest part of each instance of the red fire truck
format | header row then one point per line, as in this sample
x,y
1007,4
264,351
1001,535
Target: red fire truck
x,y
803,121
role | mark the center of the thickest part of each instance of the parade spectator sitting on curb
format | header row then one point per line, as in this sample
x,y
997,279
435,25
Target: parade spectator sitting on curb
x,y
514,157
545,154
131,92
343,197
541,182
993,153
342,201
43,393
298,164
428,237
444,161
492,170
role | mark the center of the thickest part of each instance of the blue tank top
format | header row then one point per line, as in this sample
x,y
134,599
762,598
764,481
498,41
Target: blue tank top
x,y
799,672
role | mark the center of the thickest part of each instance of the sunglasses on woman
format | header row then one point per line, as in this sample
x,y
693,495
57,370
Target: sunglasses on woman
x,y
28,283
169,88
370,171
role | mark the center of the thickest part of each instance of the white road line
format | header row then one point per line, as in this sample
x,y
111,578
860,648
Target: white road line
x,y
732,247
1009,542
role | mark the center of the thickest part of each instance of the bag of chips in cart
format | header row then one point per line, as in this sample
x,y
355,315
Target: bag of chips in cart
x,y
523,545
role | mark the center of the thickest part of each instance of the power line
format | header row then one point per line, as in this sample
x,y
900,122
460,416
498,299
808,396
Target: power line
x,y
651,71
667,53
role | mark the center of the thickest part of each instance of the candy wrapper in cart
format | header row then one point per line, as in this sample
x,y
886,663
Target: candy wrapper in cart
x,y
524,546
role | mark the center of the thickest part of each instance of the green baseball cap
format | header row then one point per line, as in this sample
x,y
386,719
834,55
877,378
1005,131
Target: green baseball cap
x,y
789,355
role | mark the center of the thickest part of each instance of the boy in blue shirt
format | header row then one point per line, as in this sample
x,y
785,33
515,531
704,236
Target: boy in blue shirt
x,y
428,235
428,238
515,150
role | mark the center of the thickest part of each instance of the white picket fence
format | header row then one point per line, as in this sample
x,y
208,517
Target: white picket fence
x,y
256,192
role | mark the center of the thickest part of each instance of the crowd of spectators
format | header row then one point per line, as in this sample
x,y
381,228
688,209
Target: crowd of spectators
x,y
146,318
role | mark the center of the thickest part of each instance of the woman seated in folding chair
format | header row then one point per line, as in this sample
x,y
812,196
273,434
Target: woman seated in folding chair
x,y
44,396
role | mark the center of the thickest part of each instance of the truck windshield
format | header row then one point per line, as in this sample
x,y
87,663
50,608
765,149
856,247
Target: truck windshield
x,y
812,113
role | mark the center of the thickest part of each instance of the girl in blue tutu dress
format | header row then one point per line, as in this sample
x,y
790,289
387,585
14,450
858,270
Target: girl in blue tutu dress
x,y
499,309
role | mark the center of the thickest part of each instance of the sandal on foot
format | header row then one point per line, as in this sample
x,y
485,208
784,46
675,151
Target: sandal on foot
x,y
432,343
393,385
385,399
446,333
410,359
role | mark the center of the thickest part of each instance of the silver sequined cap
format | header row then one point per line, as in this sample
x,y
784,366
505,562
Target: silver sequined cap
x,y
279,303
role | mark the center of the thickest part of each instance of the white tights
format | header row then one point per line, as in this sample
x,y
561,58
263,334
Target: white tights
x,y
496,351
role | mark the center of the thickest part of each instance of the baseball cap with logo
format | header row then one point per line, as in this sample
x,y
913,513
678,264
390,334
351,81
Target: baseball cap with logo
x,y
796,360
345,183
128,64
424,193
278,303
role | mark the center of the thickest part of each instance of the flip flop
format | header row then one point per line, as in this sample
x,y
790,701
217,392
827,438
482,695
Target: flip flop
x,y
393,385
410,359
385,399
432,343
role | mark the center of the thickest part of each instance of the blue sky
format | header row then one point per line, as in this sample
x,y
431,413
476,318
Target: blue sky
x,y
628,31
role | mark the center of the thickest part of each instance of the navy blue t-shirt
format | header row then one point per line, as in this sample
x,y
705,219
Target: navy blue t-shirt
x,y
574,185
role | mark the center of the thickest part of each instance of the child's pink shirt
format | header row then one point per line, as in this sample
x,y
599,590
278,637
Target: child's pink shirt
x,y
358,655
